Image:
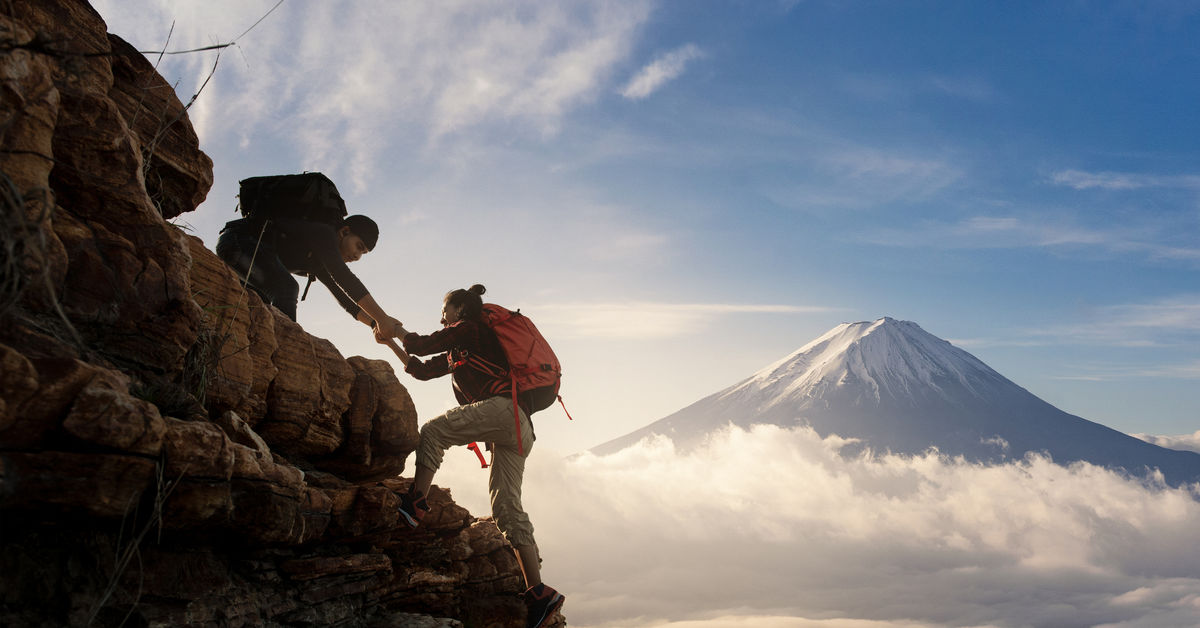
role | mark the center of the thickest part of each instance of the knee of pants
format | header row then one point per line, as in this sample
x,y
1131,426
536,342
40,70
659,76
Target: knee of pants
x,y
515,526
431,447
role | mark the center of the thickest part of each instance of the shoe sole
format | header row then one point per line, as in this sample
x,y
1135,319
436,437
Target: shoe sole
x,y
411,521
556,603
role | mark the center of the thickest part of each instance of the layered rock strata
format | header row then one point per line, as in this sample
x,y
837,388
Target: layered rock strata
x,y
172,451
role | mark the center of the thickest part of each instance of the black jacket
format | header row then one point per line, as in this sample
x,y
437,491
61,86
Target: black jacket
x,y
311,249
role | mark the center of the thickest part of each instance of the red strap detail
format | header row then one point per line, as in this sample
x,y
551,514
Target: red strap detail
x,y
475,448
560,402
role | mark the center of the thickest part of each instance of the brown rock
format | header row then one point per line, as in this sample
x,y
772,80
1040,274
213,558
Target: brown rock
x,y
61,30
197,450
263,513
105,414
183,574
394,431
28,112
315,509
310,393
241,333
108,486
359,420
18,380
381,425
194,504
177,174
241,433
363,511
59,382
97,181
324,566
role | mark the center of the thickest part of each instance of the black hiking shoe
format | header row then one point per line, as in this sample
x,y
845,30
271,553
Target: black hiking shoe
x,y
541,601
412,509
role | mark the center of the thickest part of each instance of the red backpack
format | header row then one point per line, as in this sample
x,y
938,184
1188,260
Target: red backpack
x,y
533,368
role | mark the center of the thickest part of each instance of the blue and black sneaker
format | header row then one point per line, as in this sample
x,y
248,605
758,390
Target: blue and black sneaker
x,y
412,509
542,601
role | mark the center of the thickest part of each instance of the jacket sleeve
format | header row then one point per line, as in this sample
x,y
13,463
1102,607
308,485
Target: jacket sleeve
x,y
461,335
432,368
321,274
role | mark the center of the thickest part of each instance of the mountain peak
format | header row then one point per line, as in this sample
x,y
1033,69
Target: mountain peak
x,y
882,358
894,386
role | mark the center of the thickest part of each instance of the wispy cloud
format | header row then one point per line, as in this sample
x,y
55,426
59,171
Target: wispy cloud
x,y
1083,180
1172,322
661,71
1011,232
794,529
1180,313
1107,372
645,320
988,232
877,87
864,178
412,74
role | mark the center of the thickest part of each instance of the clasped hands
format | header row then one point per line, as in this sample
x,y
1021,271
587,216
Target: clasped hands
x,y
387,329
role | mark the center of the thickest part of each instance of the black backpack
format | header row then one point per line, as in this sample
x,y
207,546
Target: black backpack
x,y
308,196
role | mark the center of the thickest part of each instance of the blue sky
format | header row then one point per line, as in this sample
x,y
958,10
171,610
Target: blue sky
x,y
680,193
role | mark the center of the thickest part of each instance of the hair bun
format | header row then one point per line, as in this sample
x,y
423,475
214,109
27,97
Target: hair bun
x,y
477,289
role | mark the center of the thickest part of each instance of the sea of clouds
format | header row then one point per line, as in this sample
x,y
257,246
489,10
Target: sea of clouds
x,y
775,527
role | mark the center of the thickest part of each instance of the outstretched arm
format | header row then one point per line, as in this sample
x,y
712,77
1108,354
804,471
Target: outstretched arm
x,y
400,353
372,314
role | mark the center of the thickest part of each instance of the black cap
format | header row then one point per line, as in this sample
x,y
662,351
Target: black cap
x,y
364,228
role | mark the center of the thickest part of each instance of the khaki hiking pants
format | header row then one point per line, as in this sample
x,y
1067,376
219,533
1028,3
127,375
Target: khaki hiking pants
x,y
487,421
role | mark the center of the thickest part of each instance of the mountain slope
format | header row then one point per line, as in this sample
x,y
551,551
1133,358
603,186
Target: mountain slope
x,y
897,387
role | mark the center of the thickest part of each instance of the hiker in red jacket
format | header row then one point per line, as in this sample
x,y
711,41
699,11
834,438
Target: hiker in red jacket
x,y
469,351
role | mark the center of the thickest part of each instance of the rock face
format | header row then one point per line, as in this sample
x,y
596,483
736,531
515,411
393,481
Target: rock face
x,y
172,451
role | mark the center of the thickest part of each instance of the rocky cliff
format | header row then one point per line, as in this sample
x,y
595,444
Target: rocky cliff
x,y
172,451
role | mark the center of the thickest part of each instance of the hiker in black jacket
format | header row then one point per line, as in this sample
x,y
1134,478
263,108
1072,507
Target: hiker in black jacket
x,y
266,254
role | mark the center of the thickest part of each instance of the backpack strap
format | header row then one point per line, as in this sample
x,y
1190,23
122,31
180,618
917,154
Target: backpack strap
x,y
475,448
308,285
564,407
516,412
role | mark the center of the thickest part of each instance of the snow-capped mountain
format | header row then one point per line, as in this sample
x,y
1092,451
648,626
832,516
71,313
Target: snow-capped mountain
x,y
897,387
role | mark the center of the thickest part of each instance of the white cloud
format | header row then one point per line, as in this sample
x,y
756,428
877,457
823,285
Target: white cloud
x,y
340,82
1180,313
643,320
1186,442
990,232
776,526
1004,232
661,71
1083,180
1173,322
864,178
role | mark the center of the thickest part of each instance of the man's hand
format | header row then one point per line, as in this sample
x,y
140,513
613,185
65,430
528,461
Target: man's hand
x,y
388,328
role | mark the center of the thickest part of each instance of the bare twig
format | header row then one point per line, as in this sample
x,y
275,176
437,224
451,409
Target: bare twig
x,y
214,46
